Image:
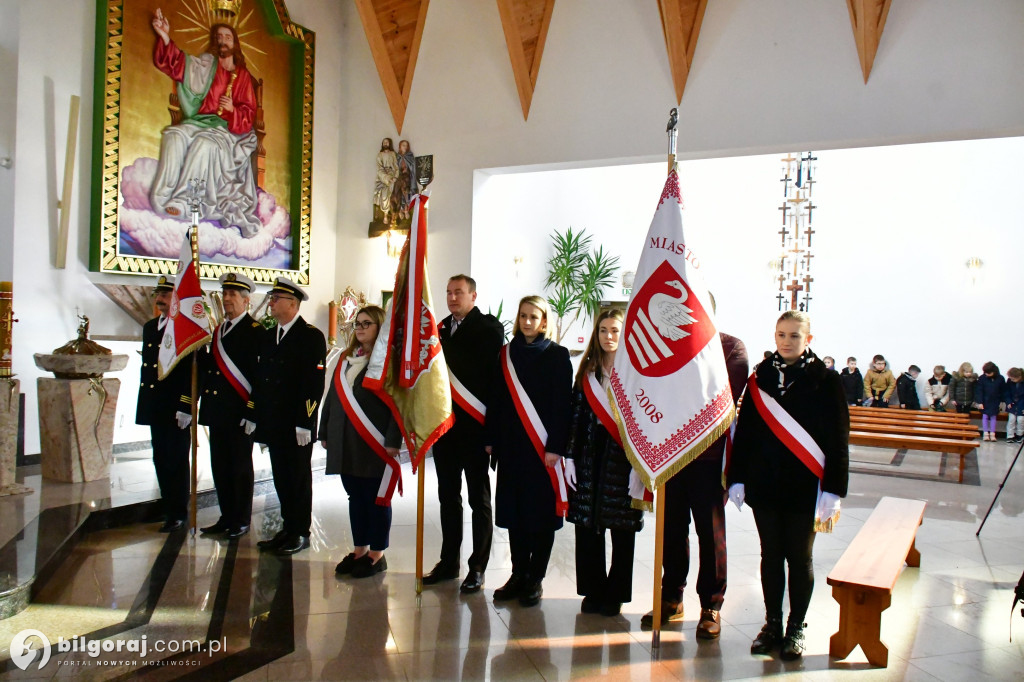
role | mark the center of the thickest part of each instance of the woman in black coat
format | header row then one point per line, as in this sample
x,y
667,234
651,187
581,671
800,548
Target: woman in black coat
x,y
784,492
360,461
525,499
597,470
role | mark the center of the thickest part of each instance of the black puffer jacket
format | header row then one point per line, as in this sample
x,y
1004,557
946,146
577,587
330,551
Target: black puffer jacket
x,y
601,500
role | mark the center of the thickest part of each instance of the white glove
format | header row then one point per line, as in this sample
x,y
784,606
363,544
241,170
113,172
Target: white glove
x,y
184,419
828,505
570,473
303,436
248,426
737,493
636,485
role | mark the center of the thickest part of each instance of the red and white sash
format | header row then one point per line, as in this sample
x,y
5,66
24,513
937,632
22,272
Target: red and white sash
x,y
786,429
228,368
535,430
371,434
595,395
466,400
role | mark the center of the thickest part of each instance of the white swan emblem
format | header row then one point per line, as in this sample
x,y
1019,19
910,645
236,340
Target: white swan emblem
x,y
668,313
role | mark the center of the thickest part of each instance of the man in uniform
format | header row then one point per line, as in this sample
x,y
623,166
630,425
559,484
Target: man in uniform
x,y
289,385
228,370
471,343
166,407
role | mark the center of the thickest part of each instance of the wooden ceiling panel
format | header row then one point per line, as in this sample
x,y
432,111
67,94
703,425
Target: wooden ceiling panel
x,y
525,23
394,29
868,19
680,22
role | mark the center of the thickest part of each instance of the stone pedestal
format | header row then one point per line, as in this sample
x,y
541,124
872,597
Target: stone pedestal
x,y
76,427
10,389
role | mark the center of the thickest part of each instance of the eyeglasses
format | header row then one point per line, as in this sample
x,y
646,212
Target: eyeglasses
x,y
365,324
279,297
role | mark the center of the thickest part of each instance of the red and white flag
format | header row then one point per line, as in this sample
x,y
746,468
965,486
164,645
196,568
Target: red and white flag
x,y
407,368
670,394
188,324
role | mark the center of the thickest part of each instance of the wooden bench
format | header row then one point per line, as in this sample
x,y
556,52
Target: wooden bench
x,y
955,446
914,429
896,413
863,578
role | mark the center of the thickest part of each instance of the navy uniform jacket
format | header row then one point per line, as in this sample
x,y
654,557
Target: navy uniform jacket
x,y
472,355
221,404
289,383
159,400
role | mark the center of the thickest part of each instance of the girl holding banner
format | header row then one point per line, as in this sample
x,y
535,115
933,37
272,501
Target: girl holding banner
x,y
362,440
526,430
597,470
790,463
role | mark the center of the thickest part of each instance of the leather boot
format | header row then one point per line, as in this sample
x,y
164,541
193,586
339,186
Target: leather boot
x,y
769,638
793,644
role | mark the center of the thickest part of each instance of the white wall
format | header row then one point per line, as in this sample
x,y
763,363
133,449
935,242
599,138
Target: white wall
x,y
894,227
49,71
8,86
766,77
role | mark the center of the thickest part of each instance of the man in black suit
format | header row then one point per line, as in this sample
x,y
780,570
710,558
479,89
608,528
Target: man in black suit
x,y
166,407
471,343
228,368
289,385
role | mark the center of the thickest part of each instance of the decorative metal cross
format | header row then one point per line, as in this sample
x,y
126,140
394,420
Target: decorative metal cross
x,y
810,233
782,299
784,232
807,301
793,288
810,211
807,259
809,185
785,186
810,166
785,209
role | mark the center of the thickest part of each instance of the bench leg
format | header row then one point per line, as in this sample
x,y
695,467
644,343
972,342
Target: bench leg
x,y
860,622
962,455
914,556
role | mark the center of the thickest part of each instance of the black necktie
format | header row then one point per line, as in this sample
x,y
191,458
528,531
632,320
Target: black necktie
x,y
280,334
225,328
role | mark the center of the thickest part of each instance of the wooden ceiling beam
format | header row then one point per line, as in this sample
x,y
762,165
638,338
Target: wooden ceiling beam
x,y
394,29
868,19
680,22
525,23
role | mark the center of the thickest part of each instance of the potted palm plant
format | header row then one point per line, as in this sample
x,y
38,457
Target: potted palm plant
x,y
578,277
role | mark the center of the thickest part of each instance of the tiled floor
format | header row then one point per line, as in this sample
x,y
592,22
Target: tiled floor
x,y
293,619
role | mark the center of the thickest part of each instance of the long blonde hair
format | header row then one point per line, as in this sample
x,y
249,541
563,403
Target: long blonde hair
x,y
376,314
541,304
593,358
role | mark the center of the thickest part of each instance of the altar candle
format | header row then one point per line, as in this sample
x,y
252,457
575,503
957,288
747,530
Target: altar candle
x,y
332,323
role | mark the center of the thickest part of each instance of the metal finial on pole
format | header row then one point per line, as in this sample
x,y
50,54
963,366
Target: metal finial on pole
x,y
673,134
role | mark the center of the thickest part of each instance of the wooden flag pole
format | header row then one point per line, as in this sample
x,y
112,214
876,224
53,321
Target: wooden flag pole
x,y
419,527
194,241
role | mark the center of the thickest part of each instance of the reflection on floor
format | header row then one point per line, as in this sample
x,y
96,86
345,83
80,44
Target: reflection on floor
x,y
261,617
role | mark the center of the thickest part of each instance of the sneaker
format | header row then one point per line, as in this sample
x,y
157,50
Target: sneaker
x,y
671,612
769,638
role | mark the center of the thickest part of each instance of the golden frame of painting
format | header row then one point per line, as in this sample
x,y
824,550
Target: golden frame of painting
x,y
219,91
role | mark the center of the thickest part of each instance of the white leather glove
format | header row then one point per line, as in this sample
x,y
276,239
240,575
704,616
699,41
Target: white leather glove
x,y
184,419
828,505
303,436
737,493
248,426
636,485
570,473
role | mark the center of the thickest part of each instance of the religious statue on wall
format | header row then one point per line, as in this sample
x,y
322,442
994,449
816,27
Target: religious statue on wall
x,y
400,175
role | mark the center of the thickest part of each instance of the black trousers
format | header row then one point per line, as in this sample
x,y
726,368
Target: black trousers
x,y
787,539
696,490
231,465
371,522
451,459
530,551
171,447
293,480
592,580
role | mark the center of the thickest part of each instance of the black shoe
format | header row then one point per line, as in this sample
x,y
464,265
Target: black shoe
x,y
219,527
531,593
347,564
793,644
236,532
512,589
172,526
292,545
769,638
440,573
365,569
473,582
272,543
590,605
610,609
